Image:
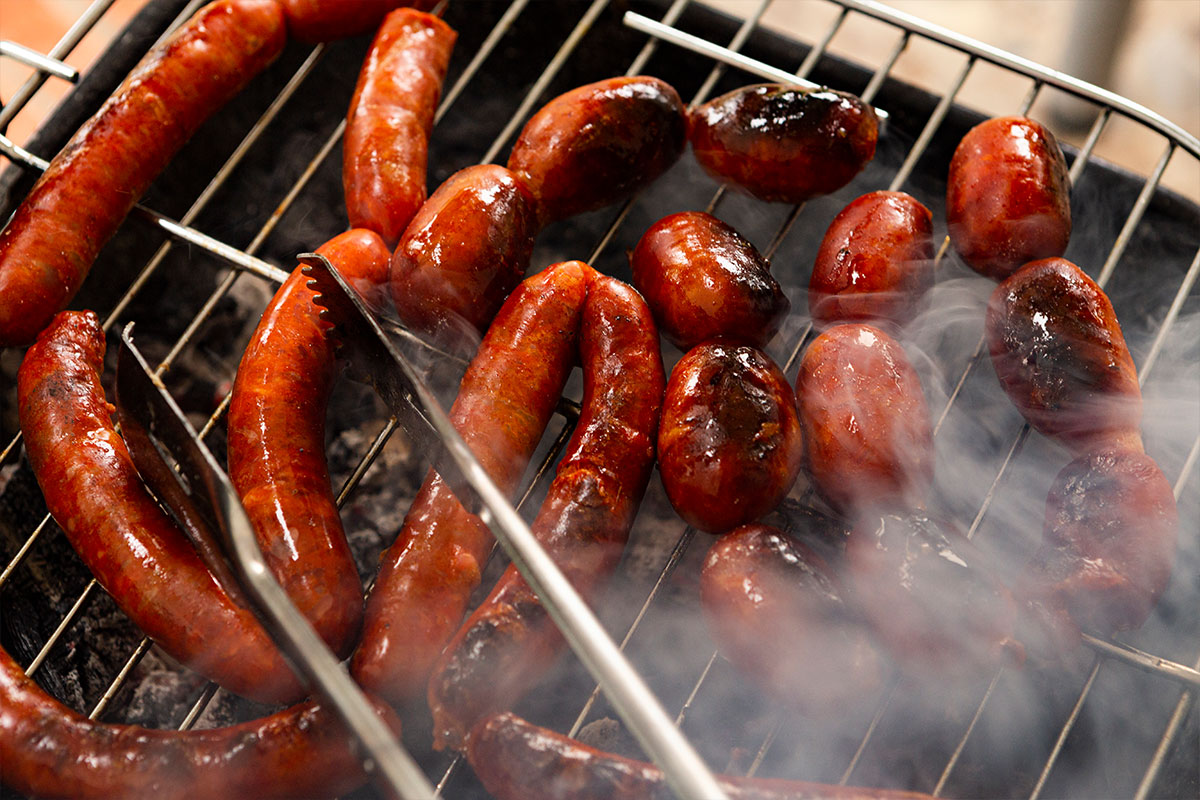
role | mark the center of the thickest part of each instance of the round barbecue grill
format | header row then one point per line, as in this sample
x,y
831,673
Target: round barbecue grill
x,y
263,179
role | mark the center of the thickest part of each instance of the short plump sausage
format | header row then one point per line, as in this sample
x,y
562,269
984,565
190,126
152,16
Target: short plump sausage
x,y
81,199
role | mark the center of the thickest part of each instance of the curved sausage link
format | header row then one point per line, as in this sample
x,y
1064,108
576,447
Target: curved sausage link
x,y
504,402
515,760
79,202
49,751
277,444
509,641
131,546
386,146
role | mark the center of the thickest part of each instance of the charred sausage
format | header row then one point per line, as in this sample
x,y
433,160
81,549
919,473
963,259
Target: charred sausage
x,y
314,21
467,247
507,643
729,446
867,435
515,759
598,143
1008,196
1060,355
778,613
875,262
277,444
132,548
49,751
503,404
79,202
702,280
782,143
386,145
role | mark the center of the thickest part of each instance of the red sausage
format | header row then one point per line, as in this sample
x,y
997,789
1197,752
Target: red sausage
x,y
277,444
132,548
1059,353
467,247
516,760
867,434
504,402
702,280
313,21
79,202
507,643
599,143
49,751
778,613
1008,196
875,262
386,145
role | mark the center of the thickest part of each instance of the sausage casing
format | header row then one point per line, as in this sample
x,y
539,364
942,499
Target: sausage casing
x,y
80,200
386,146
508,642
130,545
276,444
504,402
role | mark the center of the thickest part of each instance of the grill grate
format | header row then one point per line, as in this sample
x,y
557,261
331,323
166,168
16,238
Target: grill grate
x,y
265,183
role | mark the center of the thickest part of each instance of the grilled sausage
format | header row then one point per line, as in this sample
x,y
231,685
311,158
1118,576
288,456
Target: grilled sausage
x,y
1060,355
729,446
277,444
385,149
1008,196
467,247
314,21
778,613
703,280
132,548
503,404
507,643
931,597
49,751
781,143
599,143
516,760
875,262
1108,543
79,202
867,435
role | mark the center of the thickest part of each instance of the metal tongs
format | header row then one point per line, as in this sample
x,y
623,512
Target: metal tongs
x,y
416,408
183,473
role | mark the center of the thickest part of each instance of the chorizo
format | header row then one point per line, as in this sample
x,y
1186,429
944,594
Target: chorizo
x,y
81,199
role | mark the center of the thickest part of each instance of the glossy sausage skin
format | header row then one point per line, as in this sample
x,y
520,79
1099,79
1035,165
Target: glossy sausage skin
x,y
702,280
875,262
729,445
50,751
516,760
1060,355
931,598
778,613
276,444
504,402
508,642
783,143
1109,541
599,143
314,21
81,199
386,146
130,545
465,250
1008,196
867,434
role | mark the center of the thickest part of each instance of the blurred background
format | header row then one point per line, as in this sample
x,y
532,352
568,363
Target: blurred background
x,y
1145,50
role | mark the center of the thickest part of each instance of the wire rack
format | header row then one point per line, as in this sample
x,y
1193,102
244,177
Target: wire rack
x,y
199,259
